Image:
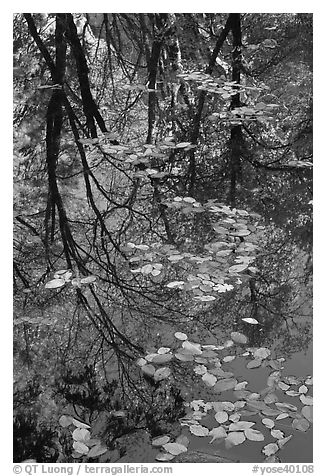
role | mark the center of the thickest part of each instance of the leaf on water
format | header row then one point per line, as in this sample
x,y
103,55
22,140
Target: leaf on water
x,y
300,424
163,350
79,424
191,348
225,384
81,434
270,449
221,417
198,430
253,364
254,435
241,385
76,282
271,398
250,320
262,353
228,358
292,393
283,441
258,405
182,145
209,379
235,417
278,434
205,298
183,440
97,450
268,422
164,457
183,357
303,389
239,338
162,358
175,284
88,280
80,447
234,439
272,459
306,399
286,406
309,381
148,370
217,433
237,268
175,448
200,369
161,374
283,386
307,413
223,406
55,283
65,420
281,416
241,425
180,336
160,440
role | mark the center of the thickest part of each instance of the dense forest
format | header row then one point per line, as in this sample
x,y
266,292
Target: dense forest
x,y
162,237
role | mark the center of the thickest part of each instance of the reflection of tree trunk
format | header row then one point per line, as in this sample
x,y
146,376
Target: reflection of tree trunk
x,y
201,101
236,131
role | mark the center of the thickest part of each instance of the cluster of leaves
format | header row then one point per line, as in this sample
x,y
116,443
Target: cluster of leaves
x,y
64,276
232,429
223,263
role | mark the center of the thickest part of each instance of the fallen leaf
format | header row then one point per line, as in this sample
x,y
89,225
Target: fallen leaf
x,y
180,336
217,433
198,430
234,439
221,417
160,440
306,399
270,449
254,435
174,448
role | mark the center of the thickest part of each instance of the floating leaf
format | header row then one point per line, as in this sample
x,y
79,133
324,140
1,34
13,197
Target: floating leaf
x,y
283,386
161,374
81,434
182,145
307,413
292,393
79,424
160,440
163,350
209,379
88,280
241,385
183,357
55,283
258,405
241,425
221,417
286,406
303,389
283,441
250,320
183,440
239,338
270,449
141,361
162,358
237,268
174,448
200,369
278,434
225,384
235,417
262,353
198,430
217,433
234,439
252,364
228,358
306,399
281,416
309,381
205,298
254,435
271,398
272,459
80,447
175,284
300,424
164,457
223,406
97,450
191,348
148,370
65,420
268,422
